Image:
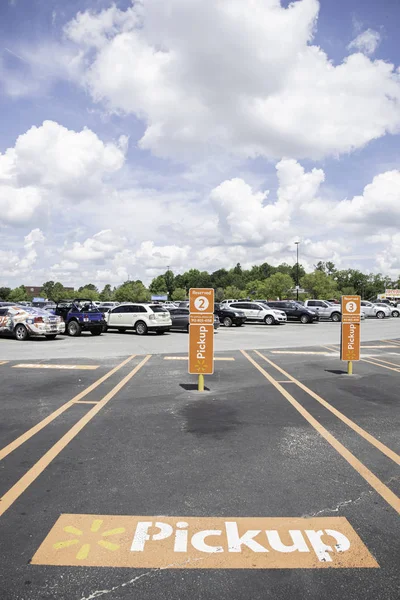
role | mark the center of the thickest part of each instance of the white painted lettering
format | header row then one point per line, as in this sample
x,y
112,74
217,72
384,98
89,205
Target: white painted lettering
x,y
235,542
299,543
199,543
142,536
181,537
320,549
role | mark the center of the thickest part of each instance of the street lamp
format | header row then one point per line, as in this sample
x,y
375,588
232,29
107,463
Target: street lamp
x,y
297,271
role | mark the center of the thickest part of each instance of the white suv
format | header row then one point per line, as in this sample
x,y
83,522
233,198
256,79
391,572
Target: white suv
x,y
140,317
255,311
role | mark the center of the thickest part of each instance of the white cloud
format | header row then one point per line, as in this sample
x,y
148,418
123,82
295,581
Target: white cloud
x,y
101,246
246,216
367,42
257,87
51,162
160,257
15,264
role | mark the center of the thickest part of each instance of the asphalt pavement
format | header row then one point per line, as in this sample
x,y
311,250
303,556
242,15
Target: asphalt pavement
x,y
114,344
120,480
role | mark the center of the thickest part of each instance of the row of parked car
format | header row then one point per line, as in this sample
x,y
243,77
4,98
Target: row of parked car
x,y
75,316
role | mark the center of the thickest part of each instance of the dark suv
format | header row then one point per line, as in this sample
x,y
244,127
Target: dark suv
x,y
229,316
294,311
80,315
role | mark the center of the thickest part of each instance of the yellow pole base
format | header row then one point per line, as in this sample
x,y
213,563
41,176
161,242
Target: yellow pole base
x,y
201,383
350,367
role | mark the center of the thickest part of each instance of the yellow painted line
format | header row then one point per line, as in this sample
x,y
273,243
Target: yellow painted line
x,y
4,362
31,432
87,402
387,362
380,365
53,366
361,469
288,381
228,358
396,342
367,436
22,484
299,352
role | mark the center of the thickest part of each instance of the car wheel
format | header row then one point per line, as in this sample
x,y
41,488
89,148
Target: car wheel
x,y
97,331
269,320
380,314
227,322
121,329
141,328
51,337
395,313
335,317
304,319
74,329
21,333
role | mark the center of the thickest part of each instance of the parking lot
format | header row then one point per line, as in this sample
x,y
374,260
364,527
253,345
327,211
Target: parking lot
x,y
120,480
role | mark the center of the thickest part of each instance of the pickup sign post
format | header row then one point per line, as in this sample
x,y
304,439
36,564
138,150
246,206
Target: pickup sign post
x,y
350,334
201,333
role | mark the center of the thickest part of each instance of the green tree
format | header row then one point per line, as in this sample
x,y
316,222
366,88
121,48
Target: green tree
x,y
179,294
319,285
18,294
169,282
233,292
4,293
278,285
158,286
47,289
219,294
106,294
58,292
132,291
257,289
89,293
181,282
221,279
88,286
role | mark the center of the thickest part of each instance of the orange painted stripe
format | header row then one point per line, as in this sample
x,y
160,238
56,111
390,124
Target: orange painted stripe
x,y
31,432
361,469
22,484
367,436
379,365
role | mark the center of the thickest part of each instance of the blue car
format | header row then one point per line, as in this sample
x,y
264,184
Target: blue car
x,y
80,315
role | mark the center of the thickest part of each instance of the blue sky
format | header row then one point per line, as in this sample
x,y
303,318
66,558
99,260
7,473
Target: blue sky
x,y
197,134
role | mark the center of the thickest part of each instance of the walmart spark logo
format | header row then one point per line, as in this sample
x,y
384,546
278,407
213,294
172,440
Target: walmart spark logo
x,y
86,540
201,366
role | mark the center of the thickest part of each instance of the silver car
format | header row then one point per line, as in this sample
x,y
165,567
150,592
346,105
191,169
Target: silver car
x,y
395,312
374,310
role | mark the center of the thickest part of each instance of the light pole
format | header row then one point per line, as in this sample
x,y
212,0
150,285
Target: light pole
x,y
297,271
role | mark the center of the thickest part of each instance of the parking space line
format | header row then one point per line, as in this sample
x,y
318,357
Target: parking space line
x,y
225,358
299,352
367,436
387,362
379,365
4,362
87,402
361,469
397,342
39,426
22,484
54,366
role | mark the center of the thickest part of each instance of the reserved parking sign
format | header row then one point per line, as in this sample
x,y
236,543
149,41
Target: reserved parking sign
x,y
201,331
350,335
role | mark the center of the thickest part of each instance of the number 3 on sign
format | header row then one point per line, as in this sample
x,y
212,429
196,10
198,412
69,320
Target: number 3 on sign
x,y
201,303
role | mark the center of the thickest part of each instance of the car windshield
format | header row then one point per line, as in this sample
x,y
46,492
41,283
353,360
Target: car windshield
x,y
157,308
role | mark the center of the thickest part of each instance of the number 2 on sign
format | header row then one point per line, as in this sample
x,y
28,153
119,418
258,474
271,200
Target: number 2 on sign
x,y
201,303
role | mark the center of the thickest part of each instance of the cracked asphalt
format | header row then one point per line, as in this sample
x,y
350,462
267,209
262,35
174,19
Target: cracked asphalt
x,y
279,434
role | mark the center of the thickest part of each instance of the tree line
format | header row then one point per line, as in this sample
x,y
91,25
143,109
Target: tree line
x,y
259,282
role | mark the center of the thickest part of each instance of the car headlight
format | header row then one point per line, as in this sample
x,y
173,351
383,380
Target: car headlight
x,y
237,314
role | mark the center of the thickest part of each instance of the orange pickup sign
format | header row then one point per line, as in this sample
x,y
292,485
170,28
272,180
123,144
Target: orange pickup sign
x,y
201,331
350,335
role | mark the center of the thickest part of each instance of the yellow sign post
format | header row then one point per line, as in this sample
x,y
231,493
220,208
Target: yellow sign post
x,y
201,333
350,331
